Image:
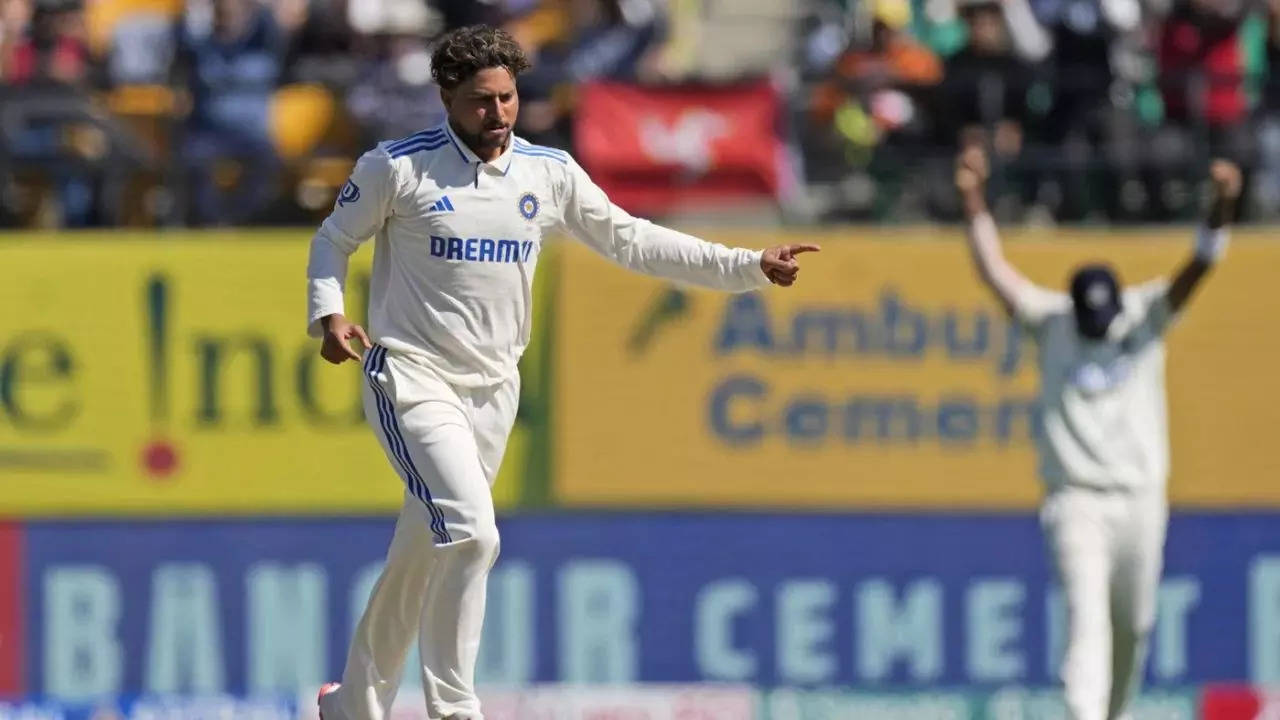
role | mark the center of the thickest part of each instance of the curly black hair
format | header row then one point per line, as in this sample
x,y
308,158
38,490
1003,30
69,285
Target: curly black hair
x,y
468,50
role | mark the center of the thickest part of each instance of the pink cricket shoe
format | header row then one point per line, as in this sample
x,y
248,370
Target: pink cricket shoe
x,y
325,690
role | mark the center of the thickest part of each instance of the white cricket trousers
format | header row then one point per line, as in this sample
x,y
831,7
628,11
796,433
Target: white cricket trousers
x,y
1107,546
446,443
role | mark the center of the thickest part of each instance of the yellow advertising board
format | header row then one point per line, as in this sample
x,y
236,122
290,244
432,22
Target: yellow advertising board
x,y
172,374
885,378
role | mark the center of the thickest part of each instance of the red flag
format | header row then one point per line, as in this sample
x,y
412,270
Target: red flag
x,y
657,149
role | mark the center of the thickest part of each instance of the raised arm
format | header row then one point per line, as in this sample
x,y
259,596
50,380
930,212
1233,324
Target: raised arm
x,y
648,248
1010,286
362,207
1212,238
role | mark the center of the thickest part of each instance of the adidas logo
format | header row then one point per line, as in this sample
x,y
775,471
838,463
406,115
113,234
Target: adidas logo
x,y
441,205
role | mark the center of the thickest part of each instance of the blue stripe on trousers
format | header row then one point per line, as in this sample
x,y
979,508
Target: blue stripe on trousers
x,y
417,485
396,441
384,412
375,363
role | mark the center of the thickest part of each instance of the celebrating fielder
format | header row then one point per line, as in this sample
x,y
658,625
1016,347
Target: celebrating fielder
x,y
1104,449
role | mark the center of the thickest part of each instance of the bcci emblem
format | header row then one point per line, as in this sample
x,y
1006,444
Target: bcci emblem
x,y
529,206
350,193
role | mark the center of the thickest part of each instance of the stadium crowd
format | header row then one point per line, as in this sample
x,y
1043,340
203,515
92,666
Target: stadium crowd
x,y
227,112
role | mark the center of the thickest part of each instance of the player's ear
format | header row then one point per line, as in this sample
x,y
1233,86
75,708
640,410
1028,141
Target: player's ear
x,y
446,98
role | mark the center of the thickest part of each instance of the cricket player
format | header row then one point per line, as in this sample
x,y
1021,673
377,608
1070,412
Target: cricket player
x,y
1104,450
459,214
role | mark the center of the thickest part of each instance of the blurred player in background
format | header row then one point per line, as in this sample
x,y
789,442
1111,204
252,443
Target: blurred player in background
x,y
1104,449
459,213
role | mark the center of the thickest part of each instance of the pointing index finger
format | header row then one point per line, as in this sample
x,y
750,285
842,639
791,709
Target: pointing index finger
x,y
805,247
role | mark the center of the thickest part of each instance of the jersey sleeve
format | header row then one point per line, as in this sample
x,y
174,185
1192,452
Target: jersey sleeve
x,y
639,245
1032,304
363,205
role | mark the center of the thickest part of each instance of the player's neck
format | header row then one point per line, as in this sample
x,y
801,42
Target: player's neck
x,y
486,154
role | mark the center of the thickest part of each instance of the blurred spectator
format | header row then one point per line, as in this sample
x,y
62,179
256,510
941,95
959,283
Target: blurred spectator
x,y
1202,69
321,42
891,60
1267,179
1089,131
869,107
396,97
15,16
1087,105
983,98
53,47
50,128
599,40
136,37
1203,85
612,39
232,54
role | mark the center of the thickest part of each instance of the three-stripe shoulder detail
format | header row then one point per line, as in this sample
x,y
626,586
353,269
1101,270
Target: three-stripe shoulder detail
x,y
531,150
425,140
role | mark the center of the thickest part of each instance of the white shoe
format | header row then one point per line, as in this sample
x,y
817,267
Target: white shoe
x,y
326,689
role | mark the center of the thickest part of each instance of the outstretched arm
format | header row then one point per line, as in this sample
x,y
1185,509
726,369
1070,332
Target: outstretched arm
x,y
645,247
1005,281
1212,238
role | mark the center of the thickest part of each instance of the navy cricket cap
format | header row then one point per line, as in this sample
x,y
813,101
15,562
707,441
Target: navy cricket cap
x,y
1095,294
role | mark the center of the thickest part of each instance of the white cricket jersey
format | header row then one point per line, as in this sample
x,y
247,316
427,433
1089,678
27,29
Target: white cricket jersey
x,y
457,240
1105,422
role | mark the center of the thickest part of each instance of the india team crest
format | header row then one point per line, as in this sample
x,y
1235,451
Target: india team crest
x,y
529,205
